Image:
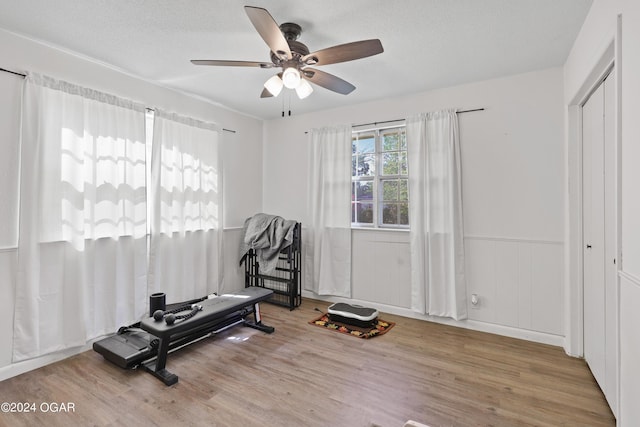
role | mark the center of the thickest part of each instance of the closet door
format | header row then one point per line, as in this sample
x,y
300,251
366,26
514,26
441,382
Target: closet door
x,y
599,228
593,223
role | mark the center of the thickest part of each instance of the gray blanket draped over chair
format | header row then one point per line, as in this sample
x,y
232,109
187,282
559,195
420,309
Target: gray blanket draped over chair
x,y
267,235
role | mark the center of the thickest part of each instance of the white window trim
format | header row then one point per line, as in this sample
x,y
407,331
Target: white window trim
x,y
376,179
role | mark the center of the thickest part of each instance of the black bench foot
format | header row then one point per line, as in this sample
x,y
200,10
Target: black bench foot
x,y
163,375
259,326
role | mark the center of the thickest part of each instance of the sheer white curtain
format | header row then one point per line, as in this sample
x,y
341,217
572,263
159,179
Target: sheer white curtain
x,y
82,240
186,208
438,286
328,230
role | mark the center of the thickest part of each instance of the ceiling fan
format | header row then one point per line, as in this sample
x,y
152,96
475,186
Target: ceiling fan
x,y
294,57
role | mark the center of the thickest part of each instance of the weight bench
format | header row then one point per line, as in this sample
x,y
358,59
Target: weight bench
x,y
172,331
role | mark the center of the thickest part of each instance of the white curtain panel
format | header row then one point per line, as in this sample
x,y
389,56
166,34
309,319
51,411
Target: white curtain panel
x,y
185,208
327,239
82,240
438,286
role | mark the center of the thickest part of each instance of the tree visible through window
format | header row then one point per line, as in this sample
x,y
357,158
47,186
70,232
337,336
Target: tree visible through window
x,y
379,190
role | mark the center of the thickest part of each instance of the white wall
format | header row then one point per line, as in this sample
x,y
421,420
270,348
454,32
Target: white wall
x,y
241,154
599,29
512,162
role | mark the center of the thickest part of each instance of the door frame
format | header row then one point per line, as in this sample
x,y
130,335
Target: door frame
x,y
574,262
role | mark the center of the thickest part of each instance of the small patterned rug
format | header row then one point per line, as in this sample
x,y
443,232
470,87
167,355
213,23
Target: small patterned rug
x,y
380,327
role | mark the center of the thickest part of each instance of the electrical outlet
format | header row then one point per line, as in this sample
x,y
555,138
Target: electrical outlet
x,y
475,301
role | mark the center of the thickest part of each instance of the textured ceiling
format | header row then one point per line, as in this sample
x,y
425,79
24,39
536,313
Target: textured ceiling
x,y
428,44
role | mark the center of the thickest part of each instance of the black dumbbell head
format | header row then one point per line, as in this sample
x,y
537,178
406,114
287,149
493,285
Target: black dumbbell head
x,y
170,319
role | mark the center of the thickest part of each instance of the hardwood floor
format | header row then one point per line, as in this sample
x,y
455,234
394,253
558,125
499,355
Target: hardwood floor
x,y
303,375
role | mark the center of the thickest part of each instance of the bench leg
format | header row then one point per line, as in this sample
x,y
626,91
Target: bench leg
x,y
257,323
157,367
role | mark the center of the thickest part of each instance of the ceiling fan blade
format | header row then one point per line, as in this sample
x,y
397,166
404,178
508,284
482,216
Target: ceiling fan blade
x,y
265,93
328,81
269,31
232,63
344,52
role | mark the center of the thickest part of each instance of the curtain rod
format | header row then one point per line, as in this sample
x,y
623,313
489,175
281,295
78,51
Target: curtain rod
x,y
469,111
13,72
223,129
400,120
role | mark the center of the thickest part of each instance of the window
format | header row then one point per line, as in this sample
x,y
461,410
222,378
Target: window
x,y
379,183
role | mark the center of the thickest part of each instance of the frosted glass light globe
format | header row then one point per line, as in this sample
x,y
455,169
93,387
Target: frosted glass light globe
x,y
304,89
274,85
291,78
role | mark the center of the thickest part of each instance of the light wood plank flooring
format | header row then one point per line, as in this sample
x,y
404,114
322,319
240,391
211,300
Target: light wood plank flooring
x,y
303,375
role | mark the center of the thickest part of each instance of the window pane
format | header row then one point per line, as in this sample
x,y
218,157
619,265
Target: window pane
x,y
389,213
390,164
365,165
403,140
363,144
390,141
404,168
362,213
403,211
403,190
390,190
364,191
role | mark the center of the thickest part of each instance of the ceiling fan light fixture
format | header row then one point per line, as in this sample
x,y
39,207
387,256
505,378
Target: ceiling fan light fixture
x,y
274,85
291,78
304,89
293,57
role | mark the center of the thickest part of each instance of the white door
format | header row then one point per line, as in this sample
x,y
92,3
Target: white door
x,y
599,232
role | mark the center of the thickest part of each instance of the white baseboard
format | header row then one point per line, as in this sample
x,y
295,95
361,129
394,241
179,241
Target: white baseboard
x,y
508,331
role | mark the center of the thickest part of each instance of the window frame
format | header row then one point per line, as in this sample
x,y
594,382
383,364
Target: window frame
x,y
377,178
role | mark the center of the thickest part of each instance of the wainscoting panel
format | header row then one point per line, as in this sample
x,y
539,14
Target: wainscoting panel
x,y
381,269
518,282
629,412
506,267
547,291
481,279
525,287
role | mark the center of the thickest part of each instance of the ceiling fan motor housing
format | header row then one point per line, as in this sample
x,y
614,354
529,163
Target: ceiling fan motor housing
x,y
291,31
